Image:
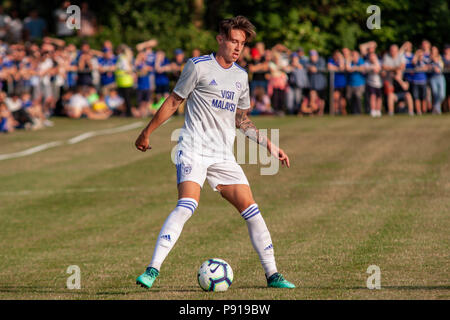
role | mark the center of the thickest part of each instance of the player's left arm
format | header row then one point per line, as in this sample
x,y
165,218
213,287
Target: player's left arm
x,y
247,127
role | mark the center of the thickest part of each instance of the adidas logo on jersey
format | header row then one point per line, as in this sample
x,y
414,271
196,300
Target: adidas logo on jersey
x,y
166,237
213,83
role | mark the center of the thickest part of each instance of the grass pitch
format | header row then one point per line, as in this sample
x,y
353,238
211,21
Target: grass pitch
x,y
359,192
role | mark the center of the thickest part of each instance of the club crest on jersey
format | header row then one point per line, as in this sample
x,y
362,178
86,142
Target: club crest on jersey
x,y
238,86
187,169
213,83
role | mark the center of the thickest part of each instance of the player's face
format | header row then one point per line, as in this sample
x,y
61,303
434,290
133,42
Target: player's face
x,y
230,48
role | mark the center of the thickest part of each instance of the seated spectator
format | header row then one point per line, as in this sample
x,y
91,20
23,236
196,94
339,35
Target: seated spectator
x,y
78,106
317,81
14,105
356,82
337,64
7,121
309,107
34,110
101,108
115,103
400,95
260,103
374,85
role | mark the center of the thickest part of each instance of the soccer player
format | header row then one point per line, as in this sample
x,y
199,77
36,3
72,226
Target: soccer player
x,y
217,94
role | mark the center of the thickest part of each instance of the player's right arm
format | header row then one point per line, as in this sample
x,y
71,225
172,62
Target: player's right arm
x,y
167,109
185,85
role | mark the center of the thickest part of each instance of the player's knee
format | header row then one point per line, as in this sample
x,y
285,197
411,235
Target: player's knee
x,y
186,207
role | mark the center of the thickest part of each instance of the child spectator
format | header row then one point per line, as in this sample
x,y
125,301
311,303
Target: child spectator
x,y
115,103
260,102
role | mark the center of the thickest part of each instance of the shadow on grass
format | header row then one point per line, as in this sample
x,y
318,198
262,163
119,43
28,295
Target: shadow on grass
x,y
443,287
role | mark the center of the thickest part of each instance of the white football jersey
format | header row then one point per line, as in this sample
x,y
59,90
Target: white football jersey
x,y
213,93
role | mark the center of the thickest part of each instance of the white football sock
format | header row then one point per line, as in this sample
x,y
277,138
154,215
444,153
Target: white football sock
x,y
171,230
260,238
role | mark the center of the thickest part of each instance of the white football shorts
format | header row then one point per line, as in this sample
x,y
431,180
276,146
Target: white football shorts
x,y
193,167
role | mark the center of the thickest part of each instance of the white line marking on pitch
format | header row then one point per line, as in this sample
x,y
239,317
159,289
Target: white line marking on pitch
x,y
73,140
69,191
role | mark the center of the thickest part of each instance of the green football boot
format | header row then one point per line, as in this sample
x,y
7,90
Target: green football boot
x,y
146,279
278,281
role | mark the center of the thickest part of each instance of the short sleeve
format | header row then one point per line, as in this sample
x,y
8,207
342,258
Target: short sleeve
x,y
244,98
187,81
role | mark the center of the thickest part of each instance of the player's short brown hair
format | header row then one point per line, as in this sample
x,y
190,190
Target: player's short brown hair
x,y
240,23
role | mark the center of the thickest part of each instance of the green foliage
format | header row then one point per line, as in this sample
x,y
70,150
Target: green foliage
x,y
321,24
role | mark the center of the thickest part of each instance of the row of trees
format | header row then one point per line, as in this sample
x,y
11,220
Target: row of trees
x,y
321,24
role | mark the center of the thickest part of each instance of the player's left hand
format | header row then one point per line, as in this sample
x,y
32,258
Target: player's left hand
x,y
281,155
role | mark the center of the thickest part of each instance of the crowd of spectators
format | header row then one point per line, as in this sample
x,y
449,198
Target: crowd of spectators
x,y
42,77
399,80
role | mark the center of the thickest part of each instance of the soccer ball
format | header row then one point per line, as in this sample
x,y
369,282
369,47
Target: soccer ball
x,y
215,275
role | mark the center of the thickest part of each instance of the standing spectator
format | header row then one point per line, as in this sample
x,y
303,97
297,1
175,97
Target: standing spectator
x,y
419,82
437,80
356,81
15,28
298,82
278,84
400,94
35,27
337,64
162,68
177,67
392,62
107,67
70,53
4,22
367,49
317,81
143,85
408,55
88,25
258,67
61,17
85,66
124,76
446,59
374,85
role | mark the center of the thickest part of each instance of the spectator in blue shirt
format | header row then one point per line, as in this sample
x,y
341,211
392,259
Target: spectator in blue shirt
x,y
419,82
337,64
143,68
107,68
35,27
356,82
